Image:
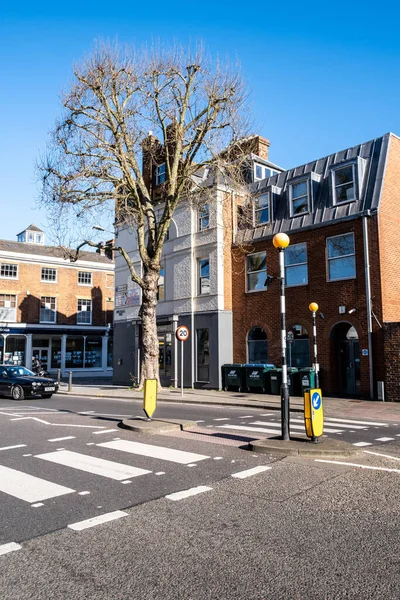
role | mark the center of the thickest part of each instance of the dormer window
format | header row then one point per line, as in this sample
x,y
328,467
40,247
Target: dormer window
x,y
261,210
261,172
160,174
344,188
299,198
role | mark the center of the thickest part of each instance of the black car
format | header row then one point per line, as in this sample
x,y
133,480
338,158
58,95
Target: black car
x,y
20,382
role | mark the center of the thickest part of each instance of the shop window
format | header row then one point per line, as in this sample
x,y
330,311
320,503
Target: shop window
x,y
56,353
203,355
296,269
110,348
298,347
48,311
341,257
14,353
256,267
93,346
257,346
74,352
8,308
84,316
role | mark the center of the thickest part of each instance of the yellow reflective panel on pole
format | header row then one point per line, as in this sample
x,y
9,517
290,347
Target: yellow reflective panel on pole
x,y
313,413
150,397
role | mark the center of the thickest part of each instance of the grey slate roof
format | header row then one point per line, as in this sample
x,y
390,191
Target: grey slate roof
x,y
31,227
51,251
371,158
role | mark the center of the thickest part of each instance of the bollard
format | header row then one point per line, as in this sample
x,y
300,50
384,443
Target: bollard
x,y
58,377
70,382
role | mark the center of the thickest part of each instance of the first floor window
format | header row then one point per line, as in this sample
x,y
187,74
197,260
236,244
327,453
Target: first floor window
x,y
47,309
203,355
84,278
261,210
204,276
49,274
9,271
296,269
257,346
341,257
256,269
298,347
8,307
84,315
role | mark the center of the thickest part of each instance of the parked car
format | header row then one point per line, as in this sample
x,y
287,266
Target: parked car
x,y
20,382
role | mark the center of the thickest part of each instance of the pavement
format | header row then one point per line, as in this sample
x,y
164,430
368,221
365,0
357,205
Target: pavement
x,y
338,407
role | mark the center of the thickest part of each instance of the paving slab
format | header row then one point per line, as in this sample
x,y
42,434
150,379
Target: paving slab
x,y
298,446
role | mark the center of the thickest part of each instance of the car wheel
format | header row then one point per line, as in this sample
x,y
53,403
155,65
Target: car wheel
x,y
17,393
47,395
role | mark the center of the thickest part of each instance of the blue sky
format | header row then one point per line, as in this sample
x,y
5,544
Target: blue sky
x,y
322,76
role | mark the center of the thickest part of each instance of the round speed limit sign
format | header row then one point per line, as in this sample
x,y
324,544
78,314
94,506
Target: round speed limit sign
x,y
182,333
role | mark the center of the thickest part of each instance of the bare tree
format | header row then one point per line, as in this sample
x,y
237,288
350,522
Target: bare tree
x,y
126,114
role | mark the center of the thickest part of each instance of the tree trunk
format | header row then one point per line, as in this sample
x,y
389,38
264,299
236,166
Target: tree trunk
x,y
149,347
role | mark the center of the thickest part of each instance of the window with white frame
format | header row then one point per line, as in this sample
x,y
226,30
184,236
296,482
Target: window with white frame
x,y
341,257
39,238
84,316
84,278
9,271
48,309
160,174
31,237
256,270
344,189
261,172
8,307
296,269
204,217
204,276
261,209
161,286
49,275
299,201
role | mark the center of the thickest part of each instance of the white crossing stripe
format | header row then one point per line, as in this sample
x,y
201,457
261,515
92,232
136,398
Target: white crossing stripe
x,y
104,431
384,439
355,422
250,472
91,464
12,447
29,488
341,425
187,493
11,547
176,456
301,427
68,437
361,444
222,419
243,428
106,518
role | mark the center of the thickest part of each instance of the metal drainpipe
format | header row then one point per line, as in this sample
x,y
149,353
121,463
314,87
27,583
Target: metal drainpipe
x,y
369,308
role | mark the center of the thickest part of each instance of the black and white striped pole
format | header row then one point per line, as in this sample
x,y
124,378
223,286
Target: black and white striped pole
x,y
281,241
314,307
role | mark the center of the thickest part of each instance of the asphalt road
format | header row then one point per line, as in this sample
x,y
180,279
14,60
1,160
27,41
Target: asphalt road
x,y
249,526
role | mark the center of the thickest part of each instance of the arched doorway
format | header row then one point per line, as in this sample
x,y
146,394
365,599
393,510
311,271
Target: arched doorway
x,y
346,348
298,347
257,346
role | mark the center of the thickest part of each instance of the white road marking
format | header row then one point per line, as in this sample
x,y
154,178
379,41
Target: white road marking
x,y
250,472
11,547
83,493
187,493
379,454
199,421
243,428
192,465
86,412
341,425
384,439
176,456
301,427
91,444
91,464
12,447
160,473
83,426
9,414
361,444
222,419
265,415
334,462
106,518
128,481
37,504
31,419
218,457
247,417
68,437
29,488
27,455
104,431
355,422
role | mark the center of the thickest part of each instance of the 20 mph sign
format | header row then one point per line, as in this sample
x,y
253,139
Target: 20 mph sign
x,y
182,333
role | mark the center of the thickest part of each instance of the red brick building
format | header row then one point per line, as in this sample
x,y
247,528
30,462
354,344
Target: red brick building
x,y
54,309
342,214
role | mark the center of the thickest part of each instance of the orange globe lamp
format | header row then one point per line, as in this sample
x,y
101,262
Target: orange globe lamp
x,y
281,240
313,307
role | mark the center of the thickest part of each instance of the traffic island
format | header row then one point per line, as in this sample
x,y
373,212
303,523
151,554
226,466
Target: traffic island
x,y
298,446
154,426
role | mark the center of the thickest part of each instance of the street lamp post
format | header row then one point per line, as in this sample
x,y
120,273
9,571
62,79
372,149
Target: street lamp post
x,y
281,241
314,307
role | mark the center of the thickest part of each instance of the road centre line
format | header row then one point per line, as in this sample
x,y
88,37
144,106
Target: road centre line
x,y
161,452
104,431
12,447
384,455
10,547
91,464
355,422
301,427
334,462
106,518
61,439
250,472
187,493
29,488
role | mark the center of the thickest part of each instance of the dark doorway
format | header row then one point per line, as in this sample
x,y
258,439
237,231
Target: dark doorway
x,y
346,348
